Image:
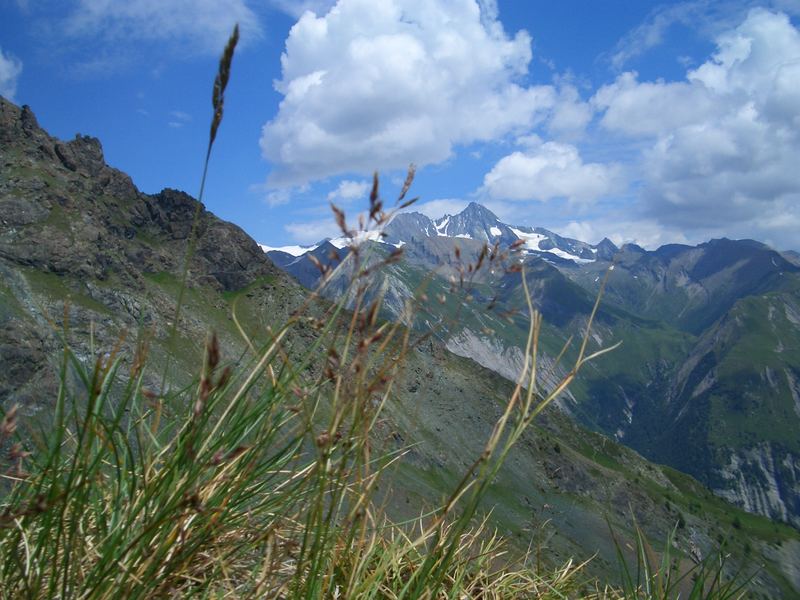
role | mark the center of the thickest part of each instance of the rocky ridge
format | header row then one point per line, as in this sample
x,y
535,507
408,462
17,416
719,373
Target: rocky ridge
x,y
77,235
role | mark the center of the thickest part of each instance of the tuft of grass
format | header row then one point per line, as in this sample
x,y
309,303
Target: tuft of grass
x,y
666,576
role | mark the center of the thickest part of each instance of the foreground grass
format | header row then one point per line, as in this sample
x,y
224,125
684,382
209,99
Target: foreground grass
x,y
259,487
257,481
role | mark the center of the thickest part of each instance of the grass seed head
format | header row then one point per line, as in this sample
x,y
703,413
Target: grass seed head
x,y
412,170
9,423
213,352
221,82
375,204
341,222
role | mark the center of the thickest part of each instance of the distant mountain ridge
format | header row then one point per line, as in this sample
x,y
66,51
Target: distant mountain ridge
x,y
702,327
477,223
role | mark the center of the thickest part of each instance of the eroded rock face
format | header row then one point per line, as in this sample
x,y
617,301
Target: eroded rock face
x,y
65,211
80,247
763,479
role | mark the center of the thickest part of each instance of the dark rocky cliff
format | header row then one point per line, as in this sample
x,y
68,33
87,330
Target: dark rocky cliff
x,y
81,247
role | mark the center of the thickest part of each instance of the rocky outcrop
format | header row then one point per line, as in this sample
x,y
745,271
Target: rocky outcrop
x,y
81,248
64,210
763,479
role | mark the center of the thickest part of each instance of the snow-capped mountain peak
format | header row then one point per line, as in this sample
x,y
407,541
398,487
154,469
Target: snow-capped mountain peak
x,y
475,222
478,223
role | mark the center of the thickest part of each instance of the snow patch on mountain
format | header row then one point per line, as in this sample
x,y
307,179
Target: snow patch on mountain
x,y
293,250
568,256
533,243
374,235
532,240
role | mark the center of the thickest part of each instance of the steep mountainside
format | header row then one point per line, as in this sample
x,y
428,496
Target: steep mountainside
x,y
85,255
735,402
706,377
78,240
730,414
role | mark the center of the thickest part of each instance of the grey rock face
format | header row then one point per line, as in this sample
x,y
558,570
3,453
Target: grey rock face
x,y
77,239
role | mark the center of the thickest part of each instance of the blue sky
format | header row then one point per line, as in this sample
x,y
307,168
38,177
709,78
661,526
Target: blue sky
x,y
642,121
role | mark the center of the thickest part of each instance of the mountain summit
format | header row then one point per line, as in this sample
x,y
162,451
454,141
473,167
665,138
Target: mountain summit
x,y
478,223
474,222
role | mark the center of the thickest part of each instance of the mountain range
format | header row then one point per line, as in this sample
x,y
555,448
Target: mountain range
x,y
88,260
707,379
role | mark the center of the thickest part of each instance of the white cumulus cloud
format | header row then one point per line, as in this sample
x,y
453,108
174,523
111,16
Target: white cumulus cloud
x,y
196,25
379,85
10,70
311,232
550,170
349,190
647,233
648,108
570,114
721,146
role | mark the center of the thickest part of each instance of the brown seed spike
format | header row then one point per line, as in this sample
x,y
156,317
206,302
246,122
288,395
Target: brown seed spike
x,y
481,257
17,452
9,424
373,195
224,377
372,313
213,352
412,169
495,251
221,82
315,261
338,214
323,439
375,204
395,256
408,203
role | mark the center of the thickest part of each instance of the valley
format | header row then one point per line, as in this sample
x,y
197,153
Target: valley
x,y
705,379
